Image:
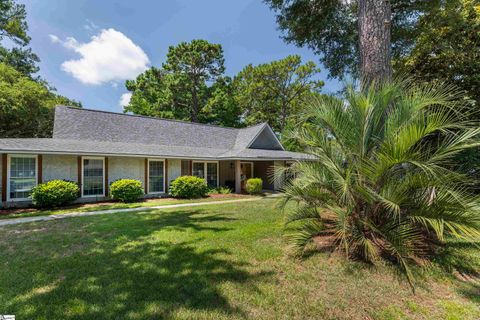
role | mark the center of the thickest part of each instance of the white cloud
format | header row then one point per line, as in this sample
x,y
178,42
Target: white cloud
x,y
109,56
90,26
125,99
70,43
54,38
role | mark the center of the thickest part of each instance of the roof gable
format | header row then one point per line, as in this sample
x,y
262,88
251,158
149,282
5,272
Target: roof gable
x,y
245,136
266,139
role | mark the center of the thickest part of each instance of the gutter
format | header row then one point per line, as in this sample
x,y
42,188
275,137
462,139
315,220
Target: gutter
x,y
73,153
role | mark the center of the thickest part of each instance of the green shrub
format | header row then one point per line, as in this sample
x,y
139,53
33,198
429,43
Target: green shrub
x,y
254,185
188,187
220,190
126,190
54,193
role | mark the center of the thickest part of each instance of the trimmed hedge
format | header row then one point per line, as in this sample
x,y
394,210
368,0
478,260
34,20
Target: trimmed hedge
x,y
188,187
126,190
254,185
54,193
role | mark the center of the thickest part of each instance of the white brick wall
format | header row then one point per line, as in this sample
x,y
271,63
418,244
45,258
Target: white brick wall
x,y
174,169
59,167
126,168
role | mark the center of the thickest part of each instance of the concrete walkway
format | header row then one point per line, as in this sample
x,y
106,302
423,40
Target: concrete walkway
x,y
6,222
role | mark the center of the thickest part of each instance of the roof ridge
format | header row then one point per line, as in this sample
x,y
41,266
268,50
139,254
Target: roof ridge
x,y
154,118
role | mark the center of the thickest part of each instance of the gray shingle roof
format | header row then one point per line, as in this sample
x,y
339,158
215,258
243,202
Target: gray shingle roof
x,y
64,146
83,131
105,147
83,124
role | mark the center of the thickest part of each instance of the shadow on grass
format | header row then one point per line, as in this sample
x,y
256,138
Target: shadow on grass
x,y
471,292
122,268
461,260
459,256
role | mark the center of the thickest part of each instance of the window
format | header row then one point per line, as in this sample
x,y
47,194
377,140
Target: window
x,y
199,169
156,183
93,177
22,176
212,174
208,171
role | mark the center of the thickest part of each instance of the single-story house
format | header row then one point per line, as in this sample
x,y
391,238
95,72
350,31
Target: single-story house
x,y
94,148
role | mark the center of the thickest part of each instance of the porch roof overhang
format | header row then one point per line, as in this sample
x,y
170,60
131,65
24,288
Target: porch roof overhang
x,y
106,148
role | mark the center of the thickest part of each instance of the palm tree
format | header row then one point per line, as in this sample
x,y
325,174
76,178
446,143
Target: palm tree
x,y
382,185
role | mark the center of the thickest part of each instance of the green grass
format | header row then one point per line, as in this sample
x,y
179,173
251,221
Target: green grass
x,y
218,262
88,207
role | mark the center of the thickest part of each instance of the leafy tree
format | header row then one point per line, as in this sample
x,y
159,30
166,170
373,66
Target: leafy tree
x,y
189,86
191,66
13,26
273,92
448,47
26,106
13,22
383,187
221,107
331,29
23,60
151,95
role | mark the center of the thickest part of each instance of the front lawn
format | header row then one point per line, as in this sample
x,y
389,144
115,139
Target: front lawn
x,y
217,262
88,207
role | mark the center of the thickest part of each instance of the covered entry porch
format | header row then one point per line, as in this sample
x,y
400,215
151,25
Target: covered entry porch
x,y
235,173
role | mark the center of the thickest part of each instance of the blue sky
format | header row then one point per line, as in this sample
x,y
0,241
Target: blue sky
x,y
88,48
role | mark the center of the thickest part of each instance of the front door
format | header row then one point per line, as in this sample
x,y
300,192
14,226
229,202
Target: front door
x,y
247,172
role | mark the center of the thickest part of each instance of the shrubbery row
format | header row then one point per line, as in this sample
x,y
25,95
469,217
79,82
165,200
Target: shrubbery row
x,y
57,193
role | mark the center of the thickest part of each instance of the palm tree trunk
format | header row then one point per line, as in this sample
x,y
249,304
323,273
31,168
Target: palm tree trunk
x,y
374,19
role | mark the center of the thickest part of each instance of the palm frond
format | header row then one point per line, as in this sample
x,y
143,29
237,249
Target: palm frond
x,y
383,180
303,235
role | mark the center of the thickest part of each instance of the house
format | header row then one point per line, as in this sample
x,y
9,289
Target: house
x,y
94,148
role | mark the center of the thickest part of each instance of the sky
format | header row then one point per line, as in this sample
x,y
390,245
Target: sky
x,y
88,48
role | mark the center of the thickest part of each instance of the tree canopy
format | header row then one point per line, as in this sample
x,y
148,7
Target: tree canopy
x,y
275,91
13,26
26,102
447,48
330,29
26,106
190,85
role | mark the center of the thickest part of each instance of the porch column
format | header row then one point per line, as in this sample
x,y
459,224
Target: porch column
x,y
238,177
79,175
4,178
40,169
106,177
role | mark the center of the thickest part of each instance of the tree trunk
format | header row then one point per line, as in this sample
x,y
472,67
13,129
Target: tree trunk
x,y
374,20
283,120
194,110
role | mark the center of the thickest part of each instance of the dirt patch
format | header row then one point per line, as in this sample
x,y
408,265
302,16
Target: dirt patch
x,y
325,242
4,212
